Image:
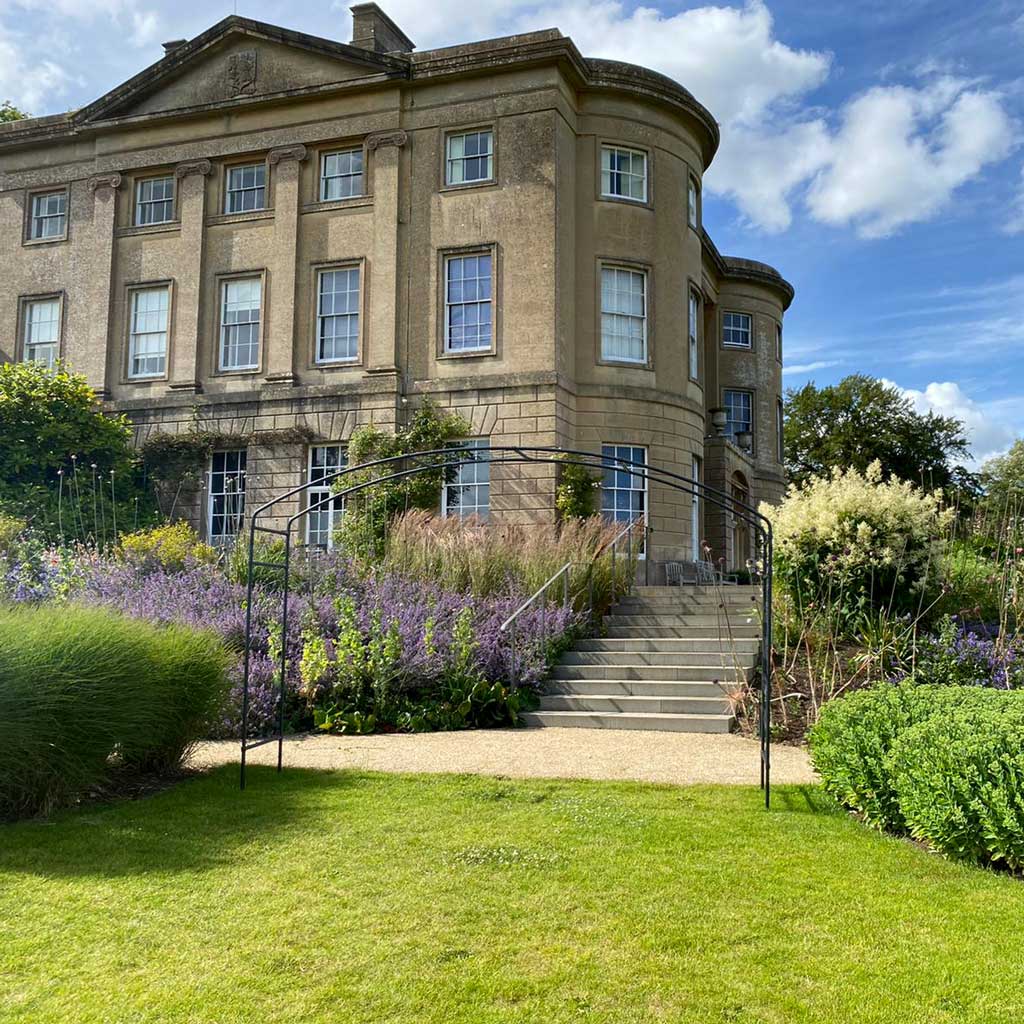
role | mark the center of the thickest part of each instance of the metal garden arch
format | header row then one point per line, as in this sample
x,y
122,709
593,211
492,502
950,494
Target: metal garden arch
x,y
398,468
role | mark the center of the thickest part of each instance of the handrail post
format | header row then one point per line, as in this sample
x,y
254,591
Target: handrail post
x,y
614,544
647,554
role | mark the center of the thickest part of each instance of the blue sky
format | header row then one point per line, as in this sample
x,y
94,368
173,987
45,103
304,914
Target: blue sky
x,y
872,151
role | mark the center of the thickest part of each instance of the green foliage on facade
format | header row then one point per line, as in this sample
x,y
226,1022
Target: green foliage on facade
x,y
370,511
577,491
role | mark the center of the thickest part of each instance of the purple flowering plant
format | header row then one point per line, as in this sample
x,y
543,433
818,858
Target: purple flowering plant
x,y
426,657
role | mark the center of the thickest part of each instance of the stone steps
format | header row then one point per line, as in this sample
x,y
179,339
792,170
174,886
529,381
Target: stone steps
x,y
668,661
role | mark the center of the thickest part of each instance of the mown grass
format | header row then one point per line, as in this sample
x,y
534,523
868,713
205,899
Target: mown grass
x,y
352,897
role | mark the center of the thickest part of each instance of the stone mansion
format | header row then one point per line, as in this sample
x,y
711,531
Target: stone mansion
x,y
278,237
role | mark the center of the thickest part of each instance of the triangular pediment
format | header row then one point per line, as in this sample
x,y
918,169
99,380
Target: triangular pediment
x,y
239,60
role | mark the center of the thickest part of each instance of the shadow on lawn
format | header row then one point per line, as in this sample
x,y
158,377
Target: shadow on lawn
x,y
804,800
194,826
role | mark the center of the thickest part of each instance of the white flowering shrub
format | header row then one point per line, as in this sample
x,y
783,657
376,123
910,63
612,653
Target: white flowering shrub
x,y
854,541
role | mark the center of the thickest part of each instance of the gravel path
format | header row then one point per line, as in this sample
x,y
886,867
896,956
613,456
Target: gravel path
x,y
541,753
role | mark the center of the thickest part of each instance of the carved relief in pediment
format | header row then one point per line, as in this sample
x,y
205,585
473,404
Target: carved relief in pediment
x,y
241,72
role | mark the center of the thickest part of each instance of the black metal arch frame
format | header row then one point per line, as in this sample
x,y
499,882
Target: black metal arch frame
x,y
453,458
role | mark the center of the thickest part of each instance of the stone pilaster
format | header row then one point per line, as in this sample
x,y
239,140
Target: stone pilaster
x,y
381,320
95,361
185,373
280,326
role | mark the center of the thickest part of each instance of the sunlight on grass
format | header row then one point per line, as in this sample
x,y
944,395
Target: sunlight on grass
x,y
364,898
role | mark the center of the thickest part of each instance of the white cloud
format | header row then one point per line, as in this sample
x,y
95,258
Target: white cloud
x,y
901,152
821,364
991,427
29,84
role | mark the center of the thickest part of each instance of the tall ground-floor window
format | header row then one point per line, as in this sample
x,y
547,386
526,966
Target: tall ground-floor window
x,y
226,509
321,521
467,488
695,476
623,489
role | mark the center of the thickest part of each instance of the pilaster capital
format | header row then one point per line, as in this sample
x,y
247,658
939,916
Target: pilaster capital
x,y
396,138
111,181
203,167
297,152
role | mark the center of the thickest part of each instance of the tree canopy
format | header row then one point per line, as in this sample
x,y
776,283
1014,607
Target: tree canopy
x,y
861,420
9,112
1002,479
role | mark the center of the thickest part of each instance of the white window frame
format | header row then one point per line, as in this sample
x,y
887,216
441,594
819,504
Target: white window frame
x,y
635,484
693,329
610,317
609,152
233,514
480,304
57,322
154,332
348,315
352,181
165,204
37,215
696,475
324,519
731,423
474,477
739,325
693,203
461,161
224,326
258,190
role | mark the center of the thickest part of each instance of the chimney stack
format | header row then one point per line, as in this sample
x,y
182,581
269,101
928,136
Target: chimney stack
x,y
173,44
373,30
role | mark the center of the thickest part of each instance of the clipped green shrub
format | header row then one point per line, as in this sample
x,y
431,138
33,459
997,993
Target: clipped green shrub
x,y
852,739
84,691
172,546
959,780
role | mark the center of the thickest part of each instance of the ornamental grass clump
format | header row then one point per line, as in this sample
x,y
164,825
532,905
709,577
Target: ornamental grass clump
x,y
85,693
853,541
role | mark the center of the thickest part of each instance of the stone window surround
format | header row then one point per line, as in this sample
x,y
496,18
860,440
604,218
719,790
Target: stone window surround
x,y
693,289
476,126
44,190
220,206
626,264
493,250
322,149
134,183
692,181
753,392
778,341
599,195
129,289
23,303
721,330
219,281
316,269
780,446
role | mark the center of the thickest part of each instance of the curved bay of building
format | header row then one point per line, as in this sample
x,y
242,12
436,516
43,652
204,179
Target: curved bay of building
x,y
279,239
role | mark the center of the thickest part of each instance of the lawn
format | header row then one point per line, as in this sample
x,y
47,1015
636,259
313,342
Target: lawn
x,y
349,897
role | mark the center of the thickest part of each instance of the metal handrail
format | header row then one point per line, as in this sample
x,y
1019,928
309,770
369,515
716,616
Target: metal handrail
x,y
529,601
510,622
